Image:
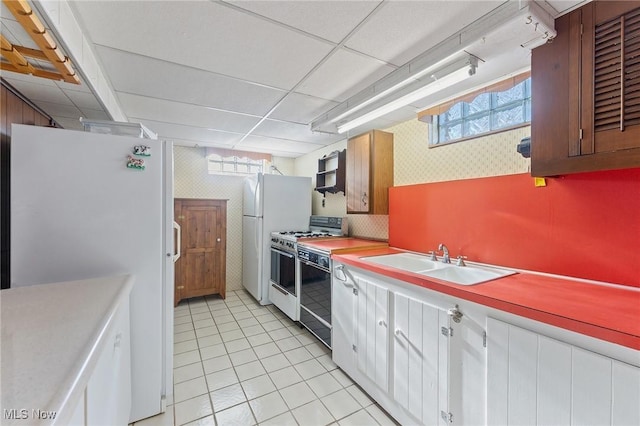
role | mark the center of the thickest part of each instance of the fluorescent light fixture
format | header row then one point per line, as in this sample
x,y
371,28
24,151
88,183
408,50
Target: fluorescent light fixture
x,y
447,76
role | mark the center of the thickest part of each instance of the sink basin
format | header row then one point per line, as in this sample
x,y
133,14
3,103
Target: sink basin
x,y
467,275
406,261
419,264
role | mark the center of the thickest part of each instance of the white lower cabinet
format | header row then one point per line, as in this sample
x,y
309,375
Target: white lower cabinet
x,y
371,337
428,358
536,380
404,348
421,357
106,400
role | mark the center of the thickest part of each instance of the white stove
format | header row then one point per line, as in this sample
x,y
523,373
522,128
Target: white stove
x,y
284,283
320,227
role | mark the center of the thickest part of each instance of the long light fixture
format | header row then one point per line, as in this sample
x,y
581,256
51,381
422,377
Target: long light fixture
x,y
448,75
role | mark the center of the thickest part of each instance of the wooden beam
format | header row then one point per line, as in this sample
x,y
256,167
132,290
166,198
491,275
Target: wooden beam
x,y
31,53
4,66
41,36
14,57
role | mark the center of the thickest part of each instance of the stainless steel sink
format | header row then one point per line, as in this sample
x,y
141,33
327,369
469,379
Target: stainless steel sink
x,y
419,264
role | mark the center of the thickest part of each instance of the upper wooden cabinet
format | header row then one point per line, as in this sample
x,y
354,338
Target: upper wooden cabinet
x,y
369,172
586,92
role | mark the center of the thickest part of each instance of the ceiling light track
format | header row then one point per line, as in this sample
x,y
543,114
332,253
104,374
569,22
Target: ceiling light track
x,y
49,50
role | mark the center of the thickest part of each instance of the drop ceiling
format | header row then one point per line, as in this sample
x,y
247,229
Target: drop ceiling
x,y
247,75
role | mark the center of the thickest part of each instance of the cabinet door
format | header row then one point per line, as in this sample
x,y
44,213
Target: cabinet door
x,y
358,173
342,318
585,86
108,393
420,361
371,332
533,379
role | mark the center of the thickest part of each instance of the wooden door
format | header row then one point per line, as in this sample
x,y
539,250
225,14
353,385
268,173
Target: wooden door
x,y
201,268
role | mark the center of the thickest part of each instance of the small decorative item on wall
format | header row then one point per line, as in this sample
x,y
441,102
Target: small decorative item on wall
x,y
135,163
142,150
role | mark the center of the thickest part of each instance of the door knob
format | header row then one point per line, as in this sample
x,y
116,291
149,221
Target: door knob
x,y
218,239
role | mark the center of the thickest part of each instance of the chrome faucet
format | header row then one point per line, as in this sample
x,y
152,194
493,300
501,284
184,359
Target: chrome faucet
x,y
445,253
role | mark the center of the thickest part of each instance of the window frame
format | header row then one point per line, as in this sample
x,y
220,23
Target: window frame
x,y
235,161
494,108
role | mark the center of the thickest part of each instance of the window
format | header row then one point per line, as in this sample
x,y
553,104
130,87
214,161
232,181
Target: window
x,y
486,113
235,165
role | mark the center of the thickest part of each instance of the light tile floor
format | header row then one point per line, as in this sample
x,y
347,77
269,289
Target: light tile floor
x,y
239,363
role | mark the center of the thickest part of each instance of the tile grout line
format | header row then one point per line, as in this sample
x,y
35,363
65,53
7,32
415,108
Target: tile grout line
x,y
286,324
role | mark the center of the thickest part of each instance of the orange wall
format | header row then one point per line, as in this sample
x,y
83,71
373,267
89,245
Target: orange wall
x,y
583,225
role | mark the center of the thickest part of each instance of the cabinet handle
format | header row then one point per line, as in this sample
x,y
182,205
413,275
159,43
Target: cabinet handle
x,y
339,270
116,343
364,198
399,333
382,323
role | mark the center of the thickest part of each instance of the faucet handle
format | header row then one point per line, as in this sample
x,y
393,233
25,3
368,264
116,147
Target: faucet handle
x,y
432,255
461,261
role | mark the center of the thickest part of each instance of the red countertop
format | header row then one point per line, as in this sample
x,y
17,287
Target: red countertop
x,y
343,245
610,313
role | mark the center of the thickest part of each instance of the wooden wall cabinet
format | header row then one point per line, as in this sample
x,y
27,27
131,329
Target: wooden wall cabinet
x,y
586,92
369,172
331,172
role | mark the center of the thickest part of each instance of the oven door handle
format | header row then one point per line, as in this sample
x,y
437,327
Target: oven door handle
x,y
313,265
284,253
281,290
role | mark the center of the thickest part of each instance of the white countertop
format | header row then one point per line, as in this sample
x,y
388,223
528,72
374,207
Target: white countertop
x,y
52,335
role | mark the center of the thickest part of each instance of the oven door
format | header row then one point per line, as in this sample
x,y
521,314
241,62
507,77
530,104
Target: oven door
x,y
282,283
315,300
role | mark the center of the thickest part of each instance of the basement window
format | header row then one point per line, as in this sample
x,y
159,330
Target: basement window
x,y
481,113
235,165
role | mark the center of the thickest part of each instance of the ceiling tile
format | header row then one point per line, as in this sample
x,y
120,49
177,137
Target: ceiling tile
x,y
130,73
186,114
83,99
562,6
330,20
301,108
294,132
188,133
344,75
14,32
59,110
210,37
282,146
401,30
34,91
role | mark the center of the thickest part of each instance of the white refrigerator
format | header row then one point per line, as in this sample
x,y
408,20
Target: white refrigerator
x,y
271,203
78,211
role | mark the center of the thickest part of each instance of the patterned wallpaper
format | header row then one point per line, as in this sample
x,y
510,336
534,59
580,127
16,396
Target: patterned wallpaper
x,y
492,155
191,180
